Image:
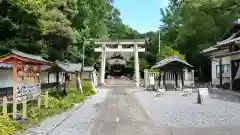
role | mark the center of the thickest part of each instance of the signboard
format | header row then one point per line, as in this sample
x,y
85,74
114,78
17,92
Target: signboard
x,y
28,82
203,91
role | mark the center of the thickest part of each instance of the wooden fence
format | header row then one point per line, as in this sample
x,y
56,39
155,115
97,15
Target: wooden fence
x,y
188,78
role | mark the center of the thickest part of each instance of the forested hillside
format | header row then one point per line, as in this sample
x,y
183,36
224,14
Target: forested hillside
x,y
58,29
189,26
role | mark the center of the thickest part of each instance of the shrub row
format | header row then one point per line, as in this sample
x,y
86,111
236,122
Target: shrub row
x,y
56,103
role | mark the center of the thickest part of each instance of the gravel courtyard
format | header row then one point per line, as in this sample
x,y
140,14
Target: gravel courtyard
x,y
178,112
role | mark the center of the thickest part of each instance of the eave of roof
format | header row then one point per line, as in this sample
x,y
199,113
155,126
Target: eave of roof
x,y
29,56
169,60
225,42
227,54
69,67
24,57
208,50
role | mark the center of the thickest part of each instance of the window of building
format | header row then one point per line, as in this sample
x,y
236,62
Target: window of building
x,y
225,69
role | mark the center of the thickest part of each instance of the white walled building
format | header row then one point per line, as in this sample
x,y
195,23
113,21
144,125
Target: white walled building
x,y
225,57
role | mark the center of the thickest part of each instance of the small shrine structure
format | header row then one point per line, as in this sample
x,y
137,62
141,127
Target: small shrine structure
x,y
172,68
26,76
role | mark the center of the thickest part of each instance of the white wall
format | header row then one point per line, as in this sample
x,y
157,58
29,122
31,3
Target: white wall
x,y
235,57
215,62
6,78
52,77
44,77
225,75
86,75
225,60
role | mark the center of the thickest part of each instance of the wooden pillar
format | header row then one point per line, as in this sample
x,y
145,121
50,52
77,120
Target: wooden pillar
x,y
65,85
193,77
46,99
14,105
77,83
230,74
220,73
159,79
48,76
24,110
164,80
176,80
182,78
57,79
4,106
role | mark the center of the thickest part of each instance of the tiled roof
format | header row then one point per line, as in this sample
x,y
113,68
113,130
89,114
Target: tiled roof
x,y
210,49
233,38
69,67
169,60
29,56
227,41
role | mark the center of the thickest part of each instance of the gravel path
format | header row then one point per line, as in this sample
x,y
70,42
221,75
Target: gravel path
x,y
121,114
182,116
73,122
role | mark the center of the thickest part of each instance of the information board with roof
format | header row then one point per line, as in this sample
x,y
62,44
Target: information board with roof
x,y
26,72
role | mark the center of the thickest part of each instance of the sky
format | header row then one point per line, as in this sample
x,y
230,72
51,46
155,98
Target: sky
x,y
141,15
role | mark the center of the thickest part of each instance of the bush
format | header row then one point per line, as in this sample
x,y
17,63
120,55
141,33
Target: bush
x,y
55,105
88,90
86,86
8,126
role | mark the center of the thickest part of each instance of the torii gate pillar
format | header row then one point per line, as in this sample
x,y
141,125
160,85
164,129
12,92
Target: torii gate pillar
x,y
136,64
103,64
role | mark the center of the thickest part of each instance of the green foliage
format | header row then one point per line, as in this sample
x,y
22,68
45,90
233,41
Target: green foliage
x,y
8,126
153,70
56,105
59,29
190,26
88,90
167,51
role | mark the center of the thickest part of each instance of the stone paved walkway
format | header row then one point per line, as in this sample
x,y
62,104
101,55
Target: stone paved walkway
x,y
73,122
121,114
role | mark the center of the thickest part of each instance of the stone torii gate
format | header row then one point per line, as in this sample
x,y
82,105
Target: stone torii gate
x,y
104,49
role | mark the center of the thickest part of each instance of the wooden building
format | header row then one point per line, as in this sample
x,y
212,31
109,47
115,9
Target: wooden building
x,y
225,57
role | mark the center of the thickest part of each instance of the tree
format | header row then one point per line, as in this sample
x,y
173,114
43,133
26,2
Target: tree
x,y
190,26
58,29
